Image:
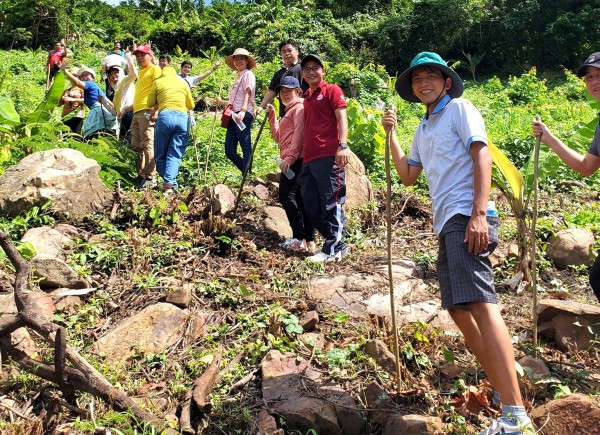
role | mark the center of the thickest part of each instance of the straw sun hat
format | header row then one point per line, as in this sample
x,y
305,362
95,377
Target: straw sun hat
x,y
240,52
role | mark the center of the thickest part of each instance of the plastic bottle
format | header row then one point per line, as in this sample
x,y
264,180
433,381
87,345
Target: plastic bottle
x,y
491,209
240,124
289,173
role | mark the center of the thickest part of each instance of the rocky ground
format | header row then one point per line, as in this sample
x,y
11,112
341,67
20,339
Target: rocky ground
x,y
164,293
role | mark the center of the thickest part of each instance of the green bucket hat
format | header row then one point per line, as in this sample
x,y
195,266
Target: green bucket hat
x,y
404,82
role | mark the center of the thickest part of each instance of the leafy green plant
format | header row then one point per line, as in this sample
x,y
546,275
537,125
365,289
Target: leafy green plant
x,y
470,62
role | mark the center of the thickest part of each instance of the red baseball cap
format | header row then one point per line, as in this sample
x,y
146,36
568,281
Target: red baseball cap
x,y
143,49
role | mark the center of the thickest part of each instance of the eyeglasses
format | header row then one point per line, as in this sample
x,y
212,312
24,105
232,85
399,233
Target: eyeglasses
x,y
308,69
591,77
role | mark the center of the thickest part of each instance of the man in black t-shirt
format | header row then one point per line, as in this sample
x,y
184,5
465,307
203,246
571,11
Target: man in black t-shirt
x,y
291,67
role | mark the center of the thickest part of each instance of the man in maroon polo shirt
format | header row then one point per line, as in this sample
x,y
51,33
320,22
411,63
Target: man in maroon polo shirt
x,y
323,180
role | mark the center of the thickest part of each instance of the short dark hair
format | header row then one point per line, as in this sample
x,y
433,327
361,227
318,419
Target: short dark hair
x,y
165,56
289,42
186,62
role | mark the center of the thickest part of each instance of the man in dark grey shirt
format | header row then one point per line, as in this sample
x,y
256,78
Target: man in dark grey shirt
x,y
291,67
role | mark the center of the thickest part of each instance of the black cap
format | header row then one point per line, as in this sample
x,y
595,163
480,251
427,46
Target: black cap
x,y
313,57
593,60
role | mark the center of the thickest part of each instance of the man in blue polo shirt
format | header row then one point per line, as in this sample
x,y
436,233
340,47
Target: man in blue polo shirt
x,y
326,152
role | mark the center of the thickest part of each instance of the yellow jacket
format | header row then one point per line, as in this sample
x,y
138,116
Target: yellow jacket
x,y
171,92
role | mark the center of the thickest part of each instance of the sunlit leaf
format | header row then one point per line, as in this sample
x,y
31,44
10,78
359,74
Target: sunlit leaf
x,y
7,111
511,174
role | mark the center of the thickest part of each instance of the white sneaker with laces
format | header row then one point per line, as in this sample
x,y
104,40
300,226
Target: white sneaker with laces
x,y
509,426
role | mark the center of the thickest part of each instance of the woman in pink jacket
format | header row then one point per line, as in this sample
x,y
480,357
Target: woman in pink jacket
x,y
289,133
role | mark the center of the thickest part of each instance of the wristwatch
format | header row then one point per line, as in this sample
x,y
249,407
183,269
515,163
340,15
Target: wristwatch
x,y
343,145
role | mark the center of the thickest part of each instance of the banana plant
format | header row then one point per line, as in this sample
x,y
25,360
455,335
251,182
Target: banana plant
x,y
13,126
517,184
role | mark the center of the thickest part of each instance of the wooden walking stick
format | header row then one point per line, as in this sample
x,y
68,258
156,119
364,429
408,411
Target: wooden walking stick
x,y
193,139
536,158
212,133
388,213
48,78
248,166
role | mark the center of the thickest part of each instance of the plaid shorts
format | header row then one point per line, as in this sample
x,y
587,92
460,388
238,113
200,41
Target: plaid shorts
x,y
465,277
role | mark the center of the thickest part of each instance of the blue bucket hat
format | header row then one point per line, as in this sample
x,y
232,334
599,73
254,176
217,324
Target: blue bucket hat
x,y
289,82
426,58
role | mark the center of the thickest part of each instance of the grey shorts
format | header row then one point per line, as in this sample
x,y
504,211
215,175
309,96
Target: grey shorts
x,y
465,277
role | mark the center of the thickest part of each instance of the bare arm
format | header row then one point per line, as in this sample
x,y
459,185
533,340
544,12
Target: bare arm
x,y
408,173
476,234
342,155
207,73
267,99
585,165
72,78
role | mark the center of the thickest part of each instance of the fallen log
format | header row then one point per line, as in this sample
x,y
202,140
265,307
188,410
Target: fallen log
x,y
83,376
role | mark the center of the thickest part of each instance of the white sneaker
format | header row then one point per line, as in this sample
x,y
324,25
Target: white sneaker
x,y
149,183
509,426
321,257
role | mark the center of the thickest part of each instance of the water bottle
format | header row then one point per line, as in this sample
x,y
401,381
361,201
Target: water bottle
x,y
240,124
289,173
491,209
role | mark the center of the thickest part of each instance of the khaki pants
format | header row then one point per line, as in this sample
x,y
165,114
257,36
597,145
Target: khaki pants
x,y
142,142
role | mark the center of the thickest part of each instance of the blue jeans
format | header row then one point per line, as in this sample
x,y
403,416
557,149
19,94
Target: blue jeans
x,y
235,135
171,135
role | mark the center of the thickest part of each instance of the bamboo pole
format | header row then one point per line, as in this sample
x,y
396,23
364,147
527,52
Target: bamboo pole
x,y
388,212
536,158
212,133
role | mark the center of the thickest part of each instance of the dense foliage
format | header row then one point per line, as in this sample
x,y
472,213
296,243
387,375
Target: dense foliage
x,y
505,36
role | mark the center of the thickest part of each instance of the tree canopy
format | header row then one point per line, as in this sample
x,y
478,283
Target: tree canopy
x,y
506,36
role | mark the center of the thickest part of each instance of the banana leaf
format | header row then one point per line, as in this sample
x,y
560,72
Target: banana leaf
x,y
549,162
513,177
44,110
8,114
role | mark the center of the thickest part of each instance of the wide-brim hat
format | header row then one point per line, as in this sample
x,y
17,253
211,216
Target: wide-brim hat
x,y
86,69
240,52
425,58
289,82
593,60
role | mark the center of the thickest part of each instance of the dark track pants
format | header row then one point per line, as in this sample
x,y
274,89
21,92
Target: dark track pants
x,y
291,201
595,277
323,187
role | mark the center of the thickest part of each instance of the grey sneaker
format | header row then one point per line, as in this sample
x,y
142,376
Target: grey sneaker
x,y
149,183
321,257
509,426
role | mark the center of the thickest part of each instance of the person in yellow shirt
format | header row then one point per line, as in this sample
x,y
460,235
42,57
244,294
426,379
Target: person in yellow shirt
x,y
144,116
172,128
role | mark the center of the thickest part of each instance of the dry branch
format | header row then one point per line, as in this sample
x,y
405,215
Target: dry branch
x,y
205,383
83,377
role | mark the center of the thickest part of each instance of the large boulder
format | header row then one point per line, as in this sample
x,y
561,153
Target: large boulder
x,y
572,325
575,414
359,190
54,272
571,247
152,330
64,176
48,241
277,222
413,425
298,393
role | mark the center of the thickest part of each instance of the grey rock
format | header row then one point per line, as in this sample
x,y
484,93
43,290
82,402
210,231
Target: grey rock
x,y
64,176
